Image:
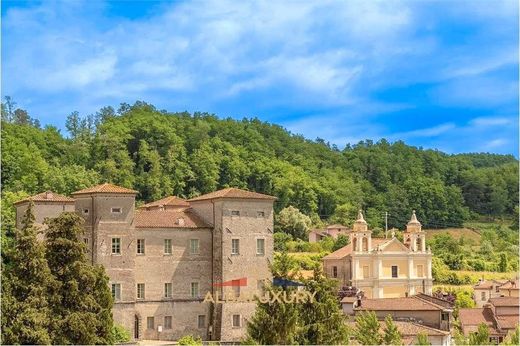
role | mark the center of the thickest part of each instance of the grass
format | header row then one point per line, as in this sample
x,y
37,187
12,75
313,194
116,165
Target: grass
x,y
456,233
489,275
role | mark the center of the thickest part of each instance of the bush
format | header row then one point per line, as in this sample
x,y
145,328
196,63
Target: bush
x,y
280,241
190,340
120,334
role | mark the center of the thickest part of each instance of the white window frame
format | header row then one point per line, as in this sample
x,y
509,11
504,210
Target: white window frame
x,y
196,250
113,210
194,293
262,240
169,247
143,243
235,251
116,241
141,293
116,291
168,290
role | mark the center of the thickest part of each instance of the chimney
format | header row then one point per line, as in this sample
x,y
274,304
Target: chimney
x,y
48,195
358,302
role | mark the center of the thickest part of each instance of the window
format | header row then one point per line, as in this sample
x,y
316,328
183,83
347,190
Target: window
x,y
85,240
168,290
334,272
150,323
260,247
140,291
235,213
116,210
483,296
194,246
394,271
116,292
365,272
116,246
420,271
445,316
167,246
167,322
85,211
236,321
195,289
201,323
235,246
497,288
260,213
140,246
236,287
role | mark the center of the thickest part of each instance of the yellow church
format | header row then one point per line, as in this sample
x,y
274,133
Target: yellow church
x,y
383,268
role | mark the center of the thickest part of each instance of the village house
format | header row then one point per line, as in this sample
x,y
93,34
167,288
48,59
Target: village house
x,y
500,314
380,267
163,258
332,231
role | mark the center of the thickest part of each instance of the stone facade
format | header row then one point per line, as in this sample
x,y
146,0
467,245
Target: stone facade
x,y
383,268
164,258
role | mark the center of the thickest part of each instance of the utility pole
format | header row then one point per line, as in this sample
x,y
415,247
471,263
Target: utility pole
x,y
386,224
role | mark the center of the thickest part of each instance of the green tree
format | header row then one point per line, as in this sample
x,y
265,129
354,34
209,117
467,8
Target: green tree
x,y
82,301
480,337
502,264
290,220
391,334
189,340
322,321
26,314
340,242
367,330
513,338
422,340
280,241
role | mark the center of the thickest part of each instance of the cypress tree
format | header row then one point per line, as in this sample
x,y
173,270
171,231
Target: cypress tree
x,y
391,336
422,340
367,329
83,302
25,289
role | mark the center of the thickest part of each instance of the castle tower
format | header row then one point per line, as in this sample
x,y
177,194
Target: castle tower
x,y
414,237
360,236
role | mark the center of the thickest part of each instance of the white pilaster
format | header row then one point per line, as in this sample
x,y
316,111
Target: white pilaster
x,y
355,265
423,243
429,268
369,243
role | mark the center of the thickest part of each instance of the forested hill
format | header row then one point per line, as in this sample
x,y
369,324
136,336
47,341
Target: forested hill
x,y
160,153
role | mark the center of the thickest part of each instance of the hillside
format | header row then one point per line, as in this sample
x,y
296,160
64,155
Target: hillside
x,y
160,153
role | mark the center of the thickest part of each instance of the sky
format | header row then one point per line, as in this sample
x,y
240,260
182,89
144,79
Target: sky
x,y
436,74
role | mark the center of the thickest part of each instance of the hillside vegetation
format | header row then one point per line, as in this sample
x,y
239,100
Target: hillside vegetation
x,y
160,153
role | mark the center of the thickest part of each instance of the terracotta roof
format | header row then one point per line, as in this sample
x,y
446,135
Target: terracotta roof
x,y
47,196
488,284
168,219
408,328
504,301
170,201
105,188
232,192
398,304
347,249
471,318
510,285
508,322
337,225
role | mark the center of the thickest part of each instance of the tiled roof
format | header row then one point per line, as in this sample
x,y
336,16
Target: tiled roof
x,y
232,192
171,201
510,285
504,301
47,196
347,249
407,328
398,304
337,225
168,219
508,322
489,284
471,318
105,188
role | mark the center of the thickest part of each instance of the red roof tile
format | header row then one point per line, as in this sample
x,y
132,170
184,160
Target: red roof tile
x,y
232,192
398,304
510,285
168,219
407,328
471,318
105,188
504,301
47,196
170,201
337,225
508,322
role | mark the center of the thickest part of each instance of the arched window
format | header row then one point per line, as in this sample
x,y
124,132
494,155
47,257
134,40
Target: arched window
x,y
365,244
354,244
418,244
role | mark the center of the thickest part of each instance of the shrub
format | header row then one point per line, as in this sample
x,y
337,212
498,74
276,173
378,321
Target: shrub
x,y
190,340
120,334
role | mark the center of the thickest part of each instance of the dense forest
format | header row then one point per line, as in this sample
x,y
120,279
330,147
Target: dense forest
x,y
160,153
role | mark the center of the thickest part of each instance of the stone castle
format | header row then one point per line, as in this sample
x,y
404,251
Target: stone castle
x,y
164,257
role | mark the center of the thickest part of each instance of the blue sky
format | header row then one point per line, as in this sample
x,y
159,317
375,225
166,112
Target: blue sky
x,y
436,74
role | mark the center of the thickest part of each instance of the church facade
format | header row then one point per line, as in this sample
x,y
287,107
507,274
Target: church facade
x,y
383,268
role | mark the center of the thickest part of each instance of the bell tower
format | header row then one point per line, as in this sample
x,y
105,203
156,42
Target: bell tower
x,y
415,238
360,236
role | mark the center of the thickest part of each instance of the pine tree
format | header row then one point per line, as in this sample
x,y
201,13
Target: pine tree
x,y
422,340
25,288
391,336
367,329
83,301
322,320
